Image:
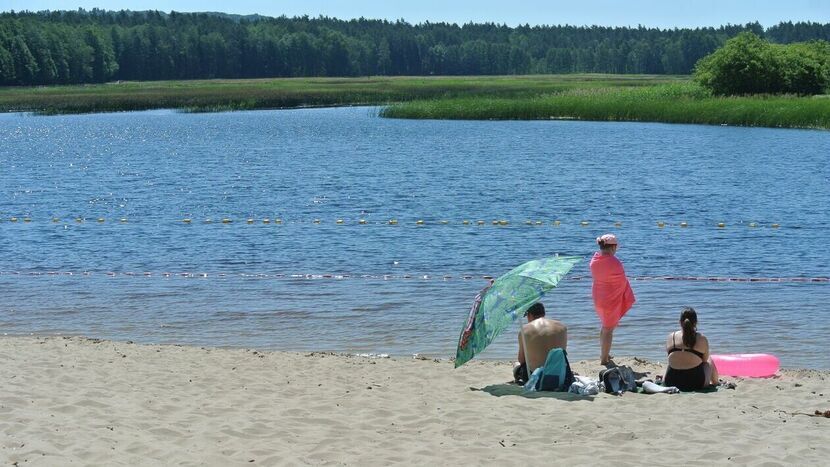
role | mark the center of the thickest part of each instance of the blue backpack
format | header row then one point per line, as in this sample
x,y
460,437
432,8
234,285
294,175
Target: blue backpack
x,y
554,375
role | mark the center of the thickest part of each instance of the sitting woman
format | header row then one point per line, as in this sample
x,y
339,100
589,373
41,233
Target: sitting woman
x,y
690,367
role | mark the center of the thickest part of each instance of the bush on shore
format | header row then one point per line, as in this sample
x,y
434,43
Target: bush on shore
x,y
747,64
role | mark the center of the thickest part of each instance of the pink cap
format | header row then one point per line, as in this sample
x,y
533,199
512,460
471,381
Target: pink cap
x,y
608,239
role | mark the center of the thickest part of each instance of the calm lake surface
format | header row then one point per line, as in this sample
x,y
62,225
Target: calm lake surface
x,y
405,288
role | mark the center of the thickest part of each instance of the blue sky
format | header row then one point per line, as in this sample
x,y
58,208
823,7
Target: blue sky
x,y
665,13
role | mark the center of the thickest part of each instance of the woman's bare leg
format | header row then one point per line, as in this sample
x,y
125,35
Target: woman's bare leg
x,y
715,379
606,335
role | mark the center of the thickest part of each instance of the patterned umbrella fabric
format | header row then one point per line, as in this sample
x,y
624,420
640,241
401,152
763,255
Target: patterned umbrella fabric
x,y
498,305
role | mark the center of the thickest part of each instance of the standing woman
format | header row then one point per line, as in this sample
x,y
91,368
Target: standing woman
x,y
611,291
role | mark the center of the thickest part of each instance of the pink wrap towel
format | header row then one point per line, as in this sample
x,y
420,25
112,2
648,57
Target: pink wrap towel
x,y
611,290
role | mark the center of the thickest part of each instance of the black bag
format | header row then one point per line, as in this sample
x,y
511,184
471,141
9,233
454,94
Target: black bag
x,y
618,379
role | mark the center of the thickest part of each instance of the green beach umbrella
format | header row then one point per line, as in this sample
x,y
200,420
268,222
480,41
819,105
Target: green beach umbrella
x,y
497,306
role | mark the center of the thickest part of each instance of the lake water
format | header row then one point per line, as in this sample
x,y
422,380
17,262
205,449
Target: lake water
x,y
405,288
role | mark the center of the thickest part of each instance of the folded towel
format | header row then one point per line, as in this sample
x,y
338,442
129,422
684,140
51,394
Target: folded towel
x,y
654,388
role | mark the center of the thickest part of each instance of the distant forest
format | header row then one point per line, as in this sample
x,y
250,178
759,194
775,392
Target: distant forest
x,y
64,47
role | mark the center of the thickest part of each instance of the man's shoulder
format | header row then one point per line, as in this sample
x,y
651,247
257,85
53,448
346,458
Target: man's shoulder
x,y
555,324
542,325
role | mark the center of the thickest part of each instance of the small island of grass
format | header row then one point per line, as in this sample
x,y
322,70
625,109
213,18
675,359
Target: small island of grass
x,y
747,82
675,103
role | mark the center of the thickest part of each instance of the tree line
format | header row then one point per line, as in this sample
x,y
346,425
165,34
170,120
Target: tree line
x,y
66,47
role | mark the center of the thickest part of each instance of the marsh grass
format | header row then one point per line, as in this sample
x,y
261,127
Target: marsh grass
x,y
672,99
215,95
671,103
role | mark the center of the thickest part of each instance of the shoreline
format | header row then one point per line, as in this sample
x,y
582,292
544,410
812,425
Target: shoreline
x,y
73,399
498,357
582,97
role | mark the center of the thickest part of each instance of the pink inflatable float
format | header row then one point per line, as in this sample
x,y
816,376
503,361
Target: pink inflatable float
x,y
754,365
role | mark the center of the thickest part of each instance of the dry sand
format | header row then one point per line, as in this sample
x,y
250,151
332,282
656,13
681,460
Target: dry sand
x,y
76,401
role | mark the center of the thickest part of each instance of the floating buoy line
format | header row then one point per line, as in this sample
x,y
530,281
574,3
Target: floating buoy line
x,y
341,221
389,277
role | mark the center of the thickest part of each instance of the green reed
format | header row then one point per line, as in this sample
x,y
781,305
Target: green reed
x,y
671,103
213,95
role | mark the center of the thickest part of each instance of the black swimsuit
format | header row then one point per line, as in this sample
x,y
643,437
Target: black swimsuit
x,y
690,379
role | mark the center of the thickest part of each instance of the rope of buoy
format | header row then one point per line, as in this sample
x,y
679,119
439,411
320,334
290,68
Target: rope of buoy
x,y
394,221
747,279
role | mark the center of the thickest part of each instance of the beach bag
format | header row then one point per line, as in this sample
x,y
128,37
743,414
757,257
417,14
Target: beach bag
x,y
618,379
554,375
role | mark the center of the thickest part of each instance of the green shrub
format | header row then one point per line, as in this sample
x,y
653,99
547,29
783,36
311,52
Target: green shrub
x,y
805,68
747,64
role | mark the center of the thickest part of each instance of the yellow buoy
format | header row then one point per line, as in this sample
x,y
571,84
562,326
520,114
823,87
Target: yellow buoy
x,y
753,224
556,223
503,222
584,223
316,221
775,226
208,220
661,224
496,222
79,219
188,220
56,220
684,224
27,219
339,221
100,219
266,221
480,222
393,222
528,222
278,221
538,222
13,219
465,222
721,225
226,221
250,221
445,222
362,221
419,222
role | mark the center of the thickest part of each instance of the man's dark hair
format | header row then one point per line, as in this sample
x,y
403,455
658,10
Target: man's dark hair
x,y
537,310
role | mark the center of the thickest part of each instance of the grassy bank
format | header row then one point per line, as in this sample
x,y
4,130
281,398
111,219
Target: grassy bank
x,y
672,103
583,96
213,95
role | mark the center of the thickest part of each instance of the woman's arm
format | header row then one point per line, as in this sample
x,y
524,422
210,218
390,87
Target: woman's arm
x,y
669,341
705,344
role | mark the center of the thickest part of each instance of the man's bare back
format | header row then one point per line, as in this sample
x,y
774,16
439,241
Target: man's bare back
x,y
537,338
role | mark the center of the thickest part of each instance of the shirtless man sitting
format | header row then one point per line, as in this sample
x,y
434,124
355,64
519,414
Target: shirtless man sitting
x,y
536,339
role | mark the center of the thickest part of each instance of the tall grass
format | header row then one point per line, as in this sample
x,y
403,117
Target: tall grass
x,y
671,103
584,96
210,95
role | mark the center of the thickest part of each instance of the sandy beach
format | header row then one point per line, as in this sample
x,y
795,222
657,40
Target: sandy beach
x,y
78,401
